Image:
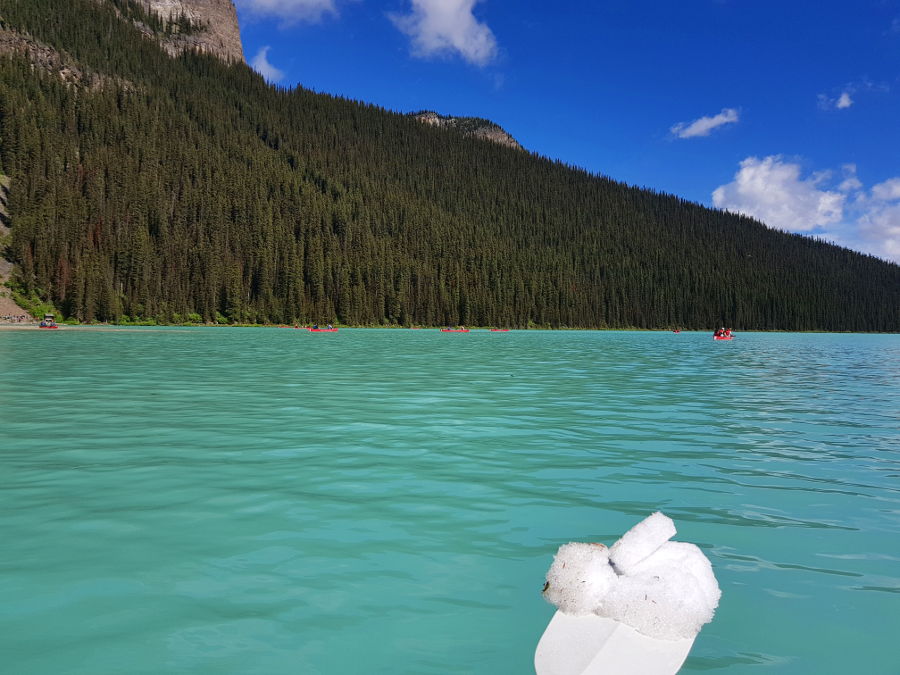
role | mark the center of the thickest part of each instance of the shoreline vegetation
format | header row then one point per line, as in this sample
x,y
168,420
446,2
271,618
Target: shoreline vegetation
x,y
32,324
34,307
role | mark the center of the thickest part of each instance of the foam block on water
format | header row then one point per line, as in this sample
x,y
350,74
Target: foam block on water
x,y
579,578
640,541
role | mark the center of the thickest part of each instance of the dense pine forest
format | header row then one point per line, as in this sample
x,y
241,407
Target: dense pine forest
x,y
158,188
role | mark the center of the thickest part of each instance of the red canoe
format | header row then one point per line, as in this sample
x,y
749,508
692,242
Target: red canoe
x,y
322,330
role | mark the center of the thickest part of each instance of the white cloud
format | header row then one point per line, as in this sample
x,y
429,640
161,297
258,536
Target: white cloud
x,y
887,191
439,27
850,183
289,11
842,102
845,99
261,65
773,191
880,226
705,125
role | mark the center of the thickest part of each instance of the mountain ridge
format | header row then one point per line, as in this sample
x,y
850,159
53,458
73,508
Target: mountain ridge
x,y
189,187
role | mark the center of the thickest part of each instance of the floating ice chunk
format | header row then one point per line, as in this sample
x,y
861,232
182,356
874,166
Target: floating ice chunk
x,y
663,589
640,541
579,578
669,595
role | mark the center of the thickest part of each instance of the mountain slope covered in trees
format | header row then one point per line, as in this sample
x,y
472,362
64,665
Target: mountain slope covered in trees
x,y
186,186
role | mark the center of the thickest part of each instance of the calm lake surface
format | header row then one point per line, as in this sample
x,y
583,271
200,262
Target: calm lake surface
x,y
274,501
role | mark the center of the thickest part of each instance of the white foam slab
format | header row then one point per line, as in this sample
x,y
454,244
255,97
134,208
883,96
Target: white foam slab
x,y
595,645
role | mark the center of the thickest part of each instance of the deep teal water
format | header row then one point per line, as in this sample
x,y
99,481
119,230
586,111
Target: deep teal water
x,y
388,501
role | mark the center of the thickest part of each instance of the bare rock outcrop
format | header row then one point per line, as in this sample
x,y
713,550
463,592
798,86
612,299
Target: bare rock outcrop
x,y
8,306
471,126
216,26
214,30
47,58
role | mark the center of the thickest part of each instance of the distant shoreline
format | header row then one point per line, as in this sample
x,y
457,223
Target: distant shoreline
x,y
97,328
112,327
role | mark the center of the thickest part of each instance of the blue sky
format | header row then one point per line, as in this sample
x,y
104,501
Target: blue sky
x,y
786,110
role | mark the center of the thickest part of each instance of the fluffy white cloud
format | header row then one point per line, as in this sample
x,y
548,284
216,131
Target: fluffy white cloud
x,y
705,125
887,191
879,219
773,191
850,183
880,227
844,101
439,27
289,11
261,65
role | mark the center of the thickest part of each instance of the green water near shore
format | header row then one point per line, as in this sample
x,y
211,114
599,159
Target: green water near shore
x,y
387,501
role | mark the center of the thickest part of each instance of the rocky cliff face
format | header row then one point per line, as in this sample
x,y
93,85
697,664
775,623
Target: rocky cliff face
x,y
8,306
471,126
216,26
46,58
213,29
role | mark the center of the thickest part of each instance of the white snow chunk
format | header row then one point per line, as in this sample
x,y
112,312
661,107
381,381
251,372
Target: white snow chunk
x,y
669,595
579,578
663,589
640,541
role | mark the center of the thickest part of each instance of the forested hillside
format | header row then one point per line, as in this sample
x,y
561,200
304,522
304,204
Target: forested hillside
x,y
178,187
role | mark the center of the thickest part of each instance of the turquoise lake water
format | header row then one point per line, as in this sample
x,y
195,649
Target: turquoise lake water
x,y
388,501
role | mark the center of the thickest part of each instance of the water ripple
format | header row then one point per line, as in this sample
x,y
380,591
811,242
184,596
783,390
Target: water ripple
x,y
262,500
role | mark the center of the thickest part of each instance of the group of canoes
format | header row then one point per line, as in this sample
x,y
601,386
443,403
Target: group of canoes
x,y
463,329
315,328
